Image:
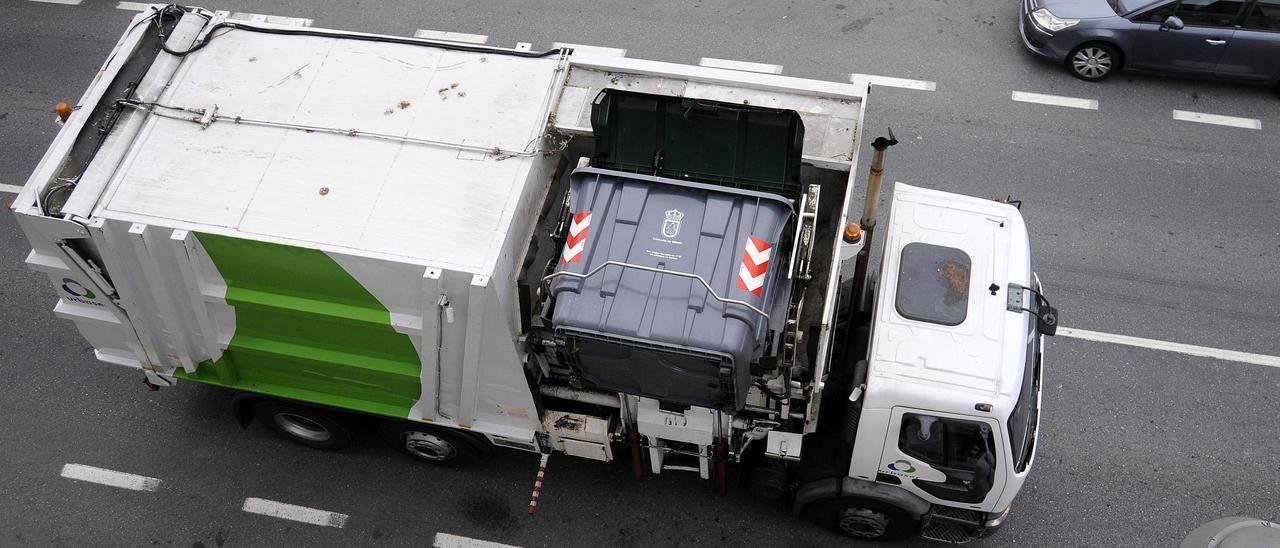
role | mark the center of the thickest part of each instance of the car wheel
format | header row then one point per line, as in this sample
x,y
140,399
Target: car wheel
x,y
438,446
863,518
305,425
1093,62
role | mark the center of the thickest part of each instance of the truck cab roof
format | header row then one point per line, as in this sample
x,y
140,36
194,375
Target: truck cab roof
x,y
944,338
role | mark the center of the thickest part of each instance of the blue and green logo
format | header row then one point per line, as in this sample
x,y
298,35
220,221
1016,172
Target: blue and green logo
x,y
79,293
74,289
902,466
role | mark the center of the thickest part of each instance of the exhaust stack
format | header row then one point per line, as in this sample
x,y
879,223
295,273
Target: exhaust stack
x,y
869,212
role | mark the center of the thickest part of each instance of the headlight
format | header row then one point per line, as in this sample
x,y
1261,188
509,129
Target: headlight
x,y
1048,21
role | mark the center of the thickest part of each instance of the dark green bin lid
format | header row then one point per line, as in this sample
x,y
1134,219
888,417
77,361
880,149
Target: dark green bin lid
x,y
728,144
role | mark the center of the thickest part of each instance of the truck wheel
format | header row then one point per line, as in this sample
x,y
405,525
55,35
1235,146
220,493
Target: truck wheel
x,y
436,445
863,518
305,425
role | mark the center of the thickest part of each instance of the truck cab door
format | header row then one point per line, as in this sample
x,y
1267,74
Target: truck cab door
x,y
946,459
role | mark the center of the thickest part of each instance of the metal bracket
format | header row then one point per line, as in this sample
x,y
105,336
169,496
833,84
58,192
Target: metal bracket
x,y
209,115
1014,299
1046,315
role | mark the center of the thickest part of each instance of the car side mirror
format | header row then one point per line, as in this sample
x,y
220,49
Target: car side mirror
x,y
1173,22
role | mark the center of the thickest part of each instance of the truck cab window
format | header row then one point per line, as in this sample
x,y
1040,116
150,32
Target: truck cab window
x,y
963,450
1023,419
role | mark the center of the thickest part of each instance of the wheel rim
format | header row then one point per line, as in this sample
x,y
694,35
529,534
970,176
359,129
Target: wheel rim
x,y
864,523
428,446
1092,62
302,427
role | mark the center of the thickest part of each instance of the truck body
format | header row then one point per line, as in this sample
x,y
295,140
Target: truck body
x,y
544,251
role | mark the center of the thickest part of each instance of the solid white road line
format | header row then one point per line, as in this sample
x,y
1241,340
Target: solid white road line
x,y
10,188
109,477
1217,119
452,36
1190,350
740,65
293,512
1055,100
445,540
133,6
63,2
922,85
594,50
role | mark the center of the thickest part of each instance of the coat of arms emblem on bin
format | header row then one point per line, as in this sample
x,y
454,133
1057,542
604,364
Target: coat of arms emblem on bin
x,y
671,224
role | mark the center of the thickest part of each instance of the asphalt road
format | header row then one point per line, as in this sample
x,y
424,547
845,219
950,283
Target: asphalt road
x,y
1141,225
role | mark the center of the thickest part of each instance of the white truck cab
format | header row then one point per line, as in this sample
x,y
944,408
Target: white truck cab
x,y
950,405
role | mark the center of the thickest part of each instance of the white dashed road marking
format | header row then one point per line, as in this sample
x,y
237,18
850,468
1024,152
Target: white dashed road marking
x,y
1055,100
1217,119
740,65
445,540
132,6
63,2
293,512
103,476
906,83
452,36
1190,350
10,188
594,50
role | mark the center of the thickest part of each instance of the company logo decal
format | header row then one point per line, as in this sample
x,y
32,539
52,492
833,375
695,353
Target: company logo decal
x,y
901,466
671,224
577,240
79,293
75,289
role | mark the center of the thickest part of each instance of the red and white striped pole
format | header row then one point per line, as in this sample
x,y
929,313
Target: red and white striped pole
x,y
537,484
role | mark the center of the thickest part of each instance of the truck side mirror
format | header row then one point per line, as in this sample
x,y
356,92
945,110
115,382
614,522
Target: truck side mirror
x,y
1047,320
1173,22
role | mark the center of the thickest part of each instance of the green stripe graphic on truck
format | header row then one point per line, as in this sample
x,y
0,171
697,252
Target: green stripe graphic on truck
x,y
307,330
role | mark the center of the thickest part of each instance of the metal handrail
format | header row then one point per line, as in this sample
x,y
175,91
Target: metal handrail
x,y
600,267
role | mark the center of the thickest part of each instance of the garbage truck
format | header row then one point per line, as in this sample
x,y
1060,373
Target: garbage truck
x,y
558,251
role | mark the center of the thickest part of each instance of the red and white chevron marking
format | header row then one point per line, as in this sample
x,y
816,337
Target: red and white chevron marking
x,y
755,262
577,240
537,484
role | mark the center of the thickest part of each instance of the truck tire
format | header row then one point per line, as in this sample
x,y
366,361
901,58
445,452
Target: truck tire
x,y
863,519
308,426
434,444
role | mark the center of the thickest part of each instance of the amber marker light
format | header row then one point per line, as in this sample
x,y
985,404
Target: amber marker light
x,y
852,233
63,109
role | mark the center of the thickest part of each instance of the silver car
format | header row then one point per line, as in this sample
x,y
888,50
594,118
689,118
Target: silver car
x,y
1237,40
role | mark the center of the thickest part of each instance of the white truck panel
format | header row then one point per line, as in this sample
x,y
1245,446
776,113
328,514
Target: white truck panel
x,y
474,118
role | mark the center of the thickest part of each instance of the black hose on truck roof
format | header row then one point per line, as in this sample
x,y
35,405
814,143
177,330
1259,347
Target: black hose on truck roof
x,y
174,9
